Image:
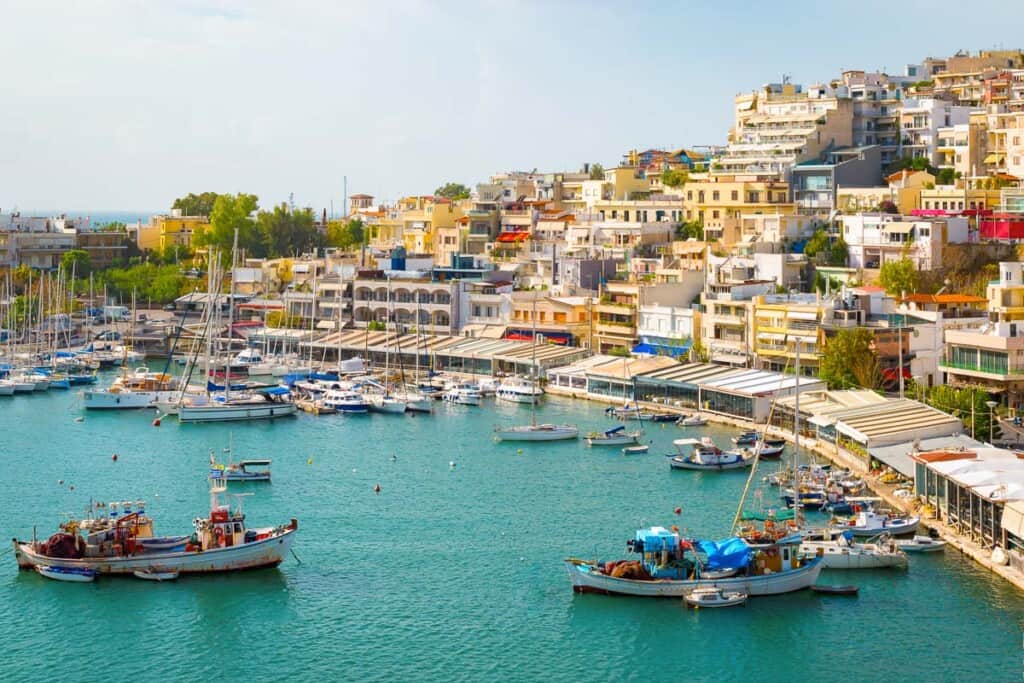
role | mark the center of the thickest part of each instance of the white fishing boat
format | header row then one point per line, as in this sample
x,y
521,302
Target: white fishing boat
x,y
616,436
921,544
154,575
243,470
464,394
517,390
706,456
68,574
416,402
636,450
713,596
6,387
110,539
872,523
671,567
839,551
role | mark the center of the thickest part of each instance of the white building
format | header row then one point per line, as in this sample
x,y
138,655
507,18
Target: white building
x,y
920,121
876,238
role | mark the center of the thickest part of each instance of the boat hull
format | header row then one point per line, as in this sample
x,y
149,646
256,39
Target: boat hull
x,y
266,553
892,529
586,579
225,413
125,400
678,463
536,434
623,440
838,557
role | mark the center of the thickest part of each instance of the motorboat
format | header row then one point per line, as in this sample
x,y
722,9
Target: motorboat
x,y
616,436
143,389
416,402
314,406
695,420
713,596
921,544
639,449
154,575
746,439
770,452
346,401
672,567
537,432
839,551
518,390
110,539
872,523
69,574
706,456
464,394
242,470
488,385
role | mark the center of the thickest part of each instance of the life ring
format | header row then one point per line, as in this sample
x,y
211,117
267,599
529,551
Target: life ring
x,y
218,532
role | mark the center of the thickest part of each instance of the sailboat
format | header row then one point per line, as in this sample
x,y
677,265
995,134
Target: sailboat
x,y
384,402
220,404
534,431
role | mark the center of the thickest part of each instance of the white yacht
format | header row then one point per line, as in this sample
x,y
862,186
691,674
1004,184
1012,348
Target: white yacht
x,y
346,401
144,389
464,394
519,390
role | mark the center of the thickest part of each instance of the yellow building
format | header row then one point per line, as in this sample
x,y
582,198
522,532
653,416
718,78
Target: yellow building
x,y
781,324
718,201
164,231
422,218
560,319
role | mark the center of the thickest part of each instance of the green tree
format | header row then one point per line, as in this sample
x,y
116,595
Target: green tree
x,y
968,404
596,171
113,226
346,234
838,253
285,231
849,359
691,229
232,212
674,177
899,276
698,352
816,244
196,204
620,351
453,191
77,262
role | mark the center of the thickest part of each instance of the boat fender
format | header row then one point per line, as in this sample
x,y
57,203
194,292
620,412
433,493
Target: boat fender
x,y
678,511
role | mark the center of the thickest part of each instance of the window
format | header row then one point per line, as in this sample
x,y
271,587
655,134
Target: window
x,y
625,216
700,197
734,195
714,196
714,214
689,195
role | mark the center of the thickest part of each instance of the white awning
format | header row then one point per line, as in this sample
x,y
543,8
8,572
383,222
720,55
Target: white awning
x,y
801,315
898,227
1013,518
771,336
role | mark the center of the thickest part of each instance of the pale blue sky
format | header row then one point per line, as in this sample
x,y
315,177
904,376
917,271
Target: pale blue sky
x,y
107,104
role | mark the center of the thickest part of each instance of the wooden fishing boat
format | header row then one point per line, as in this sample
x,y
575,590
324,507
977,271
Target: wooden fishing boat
x,y
835,590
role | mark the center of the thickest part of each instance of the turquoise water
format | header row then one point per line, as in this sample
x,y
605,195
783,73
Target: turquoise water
x,y
447,574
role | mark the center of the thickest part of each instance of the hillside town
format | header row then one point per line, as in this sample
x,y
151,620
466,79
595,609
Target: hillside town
x,y
850,252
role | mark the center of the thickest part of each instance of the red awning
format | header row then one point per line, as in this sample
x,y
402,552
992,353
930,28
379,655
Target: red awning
x,y
513,236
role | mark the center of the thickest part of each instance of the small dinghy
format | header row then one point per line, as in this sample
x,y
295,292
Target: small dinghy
x,y
70,574
921,544
155,575
714,597
163,543
635,450
835,590
692,421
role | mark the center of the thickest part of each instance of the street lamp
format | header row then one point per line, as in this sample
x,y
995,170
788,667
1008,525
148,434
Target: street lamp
x,y
991,425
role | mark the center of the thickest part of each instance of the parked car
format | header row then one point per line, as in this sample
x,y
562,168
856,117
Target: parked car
x,y
170,307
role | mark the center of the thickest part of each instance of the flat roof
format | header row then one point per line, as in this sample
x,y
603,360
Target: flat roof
x,y
760,382
688,373
899,455
872,423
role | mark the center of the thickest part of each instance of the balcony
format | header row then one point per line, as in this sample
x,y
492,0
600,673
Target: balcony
x,y
981,372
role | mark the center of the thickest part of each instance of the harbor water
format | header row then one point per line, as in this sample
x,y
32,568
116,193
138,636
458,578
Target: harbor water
x,y
453,571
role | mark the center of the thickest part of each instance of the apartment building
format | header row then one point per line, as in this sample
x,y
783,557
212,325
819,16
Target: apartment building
x,y
564,320
816,183
876,99
36,241
718,201
920,121
168,230
785,325
666,330
616,313
725,320
428,224
782,125
991,356
1004,143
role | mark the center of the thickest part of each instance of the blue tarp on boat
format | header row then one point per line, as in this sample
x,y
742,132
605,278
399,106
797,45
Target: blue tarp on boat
x,y
326,376
732,553
615,430
276,391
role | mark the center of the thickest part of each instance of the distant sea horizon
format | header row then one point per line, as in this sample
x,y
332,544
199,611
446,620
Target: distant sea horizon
x,y
99,216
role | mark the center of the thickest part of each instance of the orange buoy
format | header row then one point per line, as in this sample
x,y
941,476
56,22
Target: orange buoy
x,y
678,511
156,422
376,489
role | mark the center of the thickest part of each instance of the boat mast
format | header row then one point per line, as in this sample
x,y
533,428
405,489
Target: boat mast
x,y
533,366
